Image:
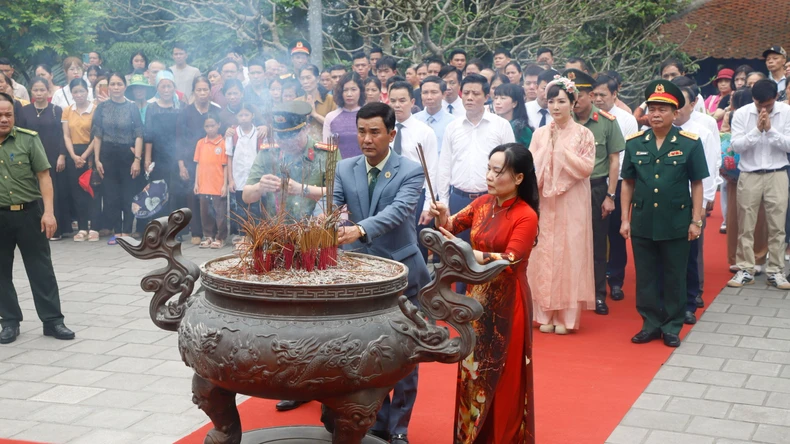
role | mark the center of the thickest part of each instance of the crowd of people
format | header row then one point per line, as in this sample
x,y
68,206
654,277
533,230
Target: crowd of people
x,y
540,165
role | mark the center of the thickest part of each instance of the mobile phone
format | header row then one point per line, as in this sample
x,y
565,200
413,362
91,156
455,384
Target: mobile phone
x,y
86,58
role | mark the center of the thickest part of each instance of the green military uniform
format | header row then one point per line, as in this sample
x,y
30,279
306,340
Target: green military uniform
x,y
661,212
22,156
608,140
306,166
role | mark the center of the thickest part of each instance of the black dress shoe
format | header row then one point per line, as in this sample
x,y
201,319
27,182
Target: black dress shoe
x,y
399,439
600,307
8,334
284,406
617,293
690,318
644,336
58,331
380,434
671,340
698,300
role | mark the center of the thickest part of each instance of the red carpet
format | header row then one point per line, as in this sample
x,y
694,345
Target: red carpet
x,y
584,382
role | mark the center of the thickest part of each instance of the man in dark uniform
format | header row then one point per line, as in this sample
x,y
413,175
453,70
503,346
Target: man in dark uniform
x,y
609,142
658,165
304,159
24,179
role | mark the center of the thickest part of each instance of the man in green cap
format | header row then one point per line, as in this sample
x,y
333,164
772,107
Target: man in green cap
x,y
293,151
663,219
24,179
609,142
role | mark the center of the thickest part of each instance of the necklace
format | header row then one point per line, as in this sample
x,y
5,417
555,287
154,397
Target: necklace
x,y
39,111
494,212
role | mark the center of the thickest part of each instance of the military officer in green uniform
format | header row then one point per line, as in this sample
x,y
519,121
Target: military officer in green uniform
x,y
658,165
24,179
609,142
304,159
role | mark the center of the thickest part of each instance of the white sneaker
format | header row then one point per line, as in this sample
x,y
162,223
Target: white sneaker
x,y
779,281
758,270
560,330
734,268
741,278
546,328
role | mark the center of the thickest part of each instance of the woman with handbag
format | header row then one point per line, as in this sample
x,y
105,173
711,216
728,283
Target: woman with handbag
x,y
76,122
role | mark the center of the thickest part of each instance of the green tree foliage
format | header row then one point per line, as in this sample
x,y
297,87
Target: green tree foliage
x,y
46,30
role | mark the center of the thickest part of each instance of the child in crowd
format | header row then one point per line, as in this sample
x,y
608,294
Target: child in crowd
x,y
211,184
291,89
242,148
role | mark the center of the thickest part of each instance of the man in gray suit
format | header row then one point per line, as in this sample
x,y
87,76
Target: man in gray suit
x,y
381,190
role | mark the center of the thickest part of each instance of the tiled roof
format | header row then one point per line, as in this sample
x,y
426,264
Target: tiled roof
x,y
731,29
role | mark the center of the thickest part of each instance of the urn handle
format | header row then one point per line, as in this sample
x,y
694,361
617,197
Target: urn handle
x,y
178,277
440,303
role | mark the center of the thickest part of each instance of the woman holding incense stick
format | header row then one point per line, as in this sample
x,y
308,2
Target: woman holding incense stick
x,y
494,395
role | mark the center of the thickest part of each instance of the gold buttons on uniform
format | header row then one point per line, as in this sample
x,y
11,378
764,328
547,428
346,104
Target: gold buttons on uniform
x,y
682,206
656,176
658,160
655,190
675,162
655,205
640,162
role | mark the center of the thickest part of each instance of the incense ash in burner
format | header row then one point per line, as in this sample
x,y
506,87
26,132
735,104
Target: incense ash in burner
x,y
350,269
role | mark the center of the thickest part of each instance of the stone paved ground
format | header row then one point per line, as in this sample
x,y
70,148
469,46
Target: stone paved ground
x,y
728,383
122,381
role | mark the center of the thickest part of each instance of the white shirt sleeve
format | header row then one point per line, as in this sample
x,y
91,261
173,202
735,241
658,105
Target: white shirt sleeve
x,y
445,168
431,150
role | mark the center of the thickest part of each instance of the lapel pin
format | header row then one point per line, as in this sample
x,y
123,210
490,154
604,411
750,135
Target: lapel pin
x,y
387,175
674,139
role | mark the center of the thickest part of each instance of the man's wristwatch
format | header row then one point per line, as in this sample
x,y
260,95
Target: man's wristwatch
x,y
697,223
613,196
363,235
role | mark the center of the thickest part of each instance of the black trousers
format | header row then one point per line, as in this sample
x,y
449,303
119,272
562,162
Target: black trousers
x,y
119,187
600,227
85,208
618,255
184,196
458,203
61,199
23,229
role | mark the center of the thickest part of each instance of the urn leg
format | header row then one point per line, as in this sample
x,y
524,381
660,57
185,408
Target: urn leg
x,y
353,415
220,406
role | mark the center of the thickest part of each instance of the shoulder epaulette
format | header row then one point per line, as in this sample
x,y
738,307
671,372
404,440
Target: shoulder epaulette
x,y
634,135
27,131
325,146
607,115
691,136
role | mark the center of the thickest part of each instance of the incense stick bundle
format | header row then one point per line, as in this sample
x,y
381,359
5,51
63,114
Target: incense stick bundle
x,y
424,164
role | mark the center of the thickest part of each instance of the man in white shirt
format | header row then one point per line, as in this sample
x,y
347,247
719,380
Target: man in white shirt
x,y
712,146
531,73
465,148
775,59
761,135
432,90
411,132
452,103
183,73
537,110
605,98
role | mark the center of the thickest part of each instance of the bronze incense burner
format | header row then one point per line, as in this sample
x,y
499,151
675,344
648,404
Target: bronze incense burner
x,y
343,345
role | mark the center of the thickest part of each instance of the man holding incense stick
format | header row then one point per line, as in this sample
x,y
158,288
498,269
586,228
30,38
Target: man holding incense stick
x,y
381,189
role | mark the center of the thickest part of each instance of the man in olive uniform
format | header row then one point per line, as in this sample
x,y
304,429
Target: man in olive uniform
x,y
24,179
304,159
305,162
609,142
663,219
299,50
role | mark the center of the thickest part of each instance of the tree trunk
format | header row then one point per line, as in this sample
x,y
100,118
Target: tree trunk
x,y
314,19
